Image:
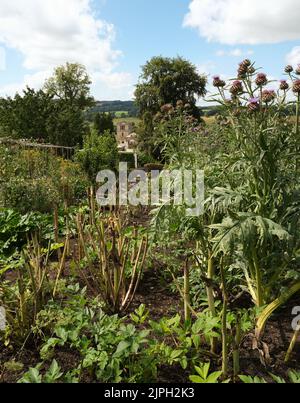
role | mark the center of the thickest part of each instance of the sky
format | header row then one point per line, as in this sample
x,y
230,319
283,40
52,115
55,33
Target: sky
x,y
114,38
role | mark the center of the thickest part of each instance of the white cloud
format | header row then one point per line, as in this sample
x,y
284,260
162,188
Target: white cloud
x,y
2,59
114,86
245,21
234,53
49,33
206,68
293,57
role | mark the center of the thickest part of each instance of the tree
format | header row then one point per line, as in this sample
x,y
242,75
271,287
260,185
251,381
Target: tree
x,y
70,88
54,114
66,125
104,122
25,116
167,81
98,153
71,85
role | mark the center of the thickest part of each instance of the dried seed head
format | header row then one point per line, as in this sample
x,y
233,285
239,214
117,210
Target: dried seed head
x,y
284,86
268,96
246,63
261,80
296,87
242,72
289,69
244,68
253,104
236,88
168,108
218,82
158,116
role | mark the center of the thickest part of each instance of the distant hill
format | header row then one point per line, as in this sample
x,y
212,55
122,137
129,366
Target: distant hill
x,y
118,109
128,109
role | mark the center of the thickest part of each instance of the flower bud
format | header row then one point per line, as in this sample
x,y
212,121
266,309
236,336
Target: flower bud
x,y
296,87
168,108
246,63
288,69
236,88
261,80
284,86
253,104
180,104
218,82
268,96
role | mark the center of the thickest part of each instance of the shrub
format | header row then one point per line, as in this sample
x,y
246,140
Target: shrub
x,y
34,180
98,153
30,195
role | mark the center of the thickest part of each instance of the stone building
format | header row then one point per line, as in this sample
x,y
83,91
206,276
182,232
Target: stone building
x,y
126,137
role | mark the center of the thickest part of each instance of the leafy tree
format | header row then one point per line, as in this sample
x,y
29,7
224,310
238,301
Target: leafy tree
x,y
71,84
98,153
36,115
167,81
66,125
26,116
104,122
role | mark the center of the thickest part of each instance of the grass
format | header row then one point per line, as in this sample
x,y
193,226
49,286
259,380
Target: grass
x,y
136,121
120,114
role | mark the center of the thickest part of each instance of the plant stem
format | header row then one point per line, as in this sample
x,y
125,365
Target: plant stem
x,y
224,323
187,297
292,345
210,296
236,348
297,131
258,274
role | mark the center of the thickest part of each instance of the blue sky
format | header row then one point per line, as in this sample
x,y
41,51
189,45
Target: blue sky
x,y
113,38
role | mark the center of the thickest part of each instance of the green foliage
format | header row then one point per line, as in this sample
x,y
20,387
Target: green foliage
x,y
129,158
110,349
293,376
190,341
71,85
52,375
14,229
249,379
98,153
103,122
140,315
176,135
26,115
31,290
166,81
54,114
66,125
204,376
37,181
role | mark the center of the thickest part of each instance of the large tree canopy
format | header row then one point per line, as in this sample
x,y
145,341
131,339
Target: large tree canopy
x,y
166,81
104,122
26,115
71,85
54,114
